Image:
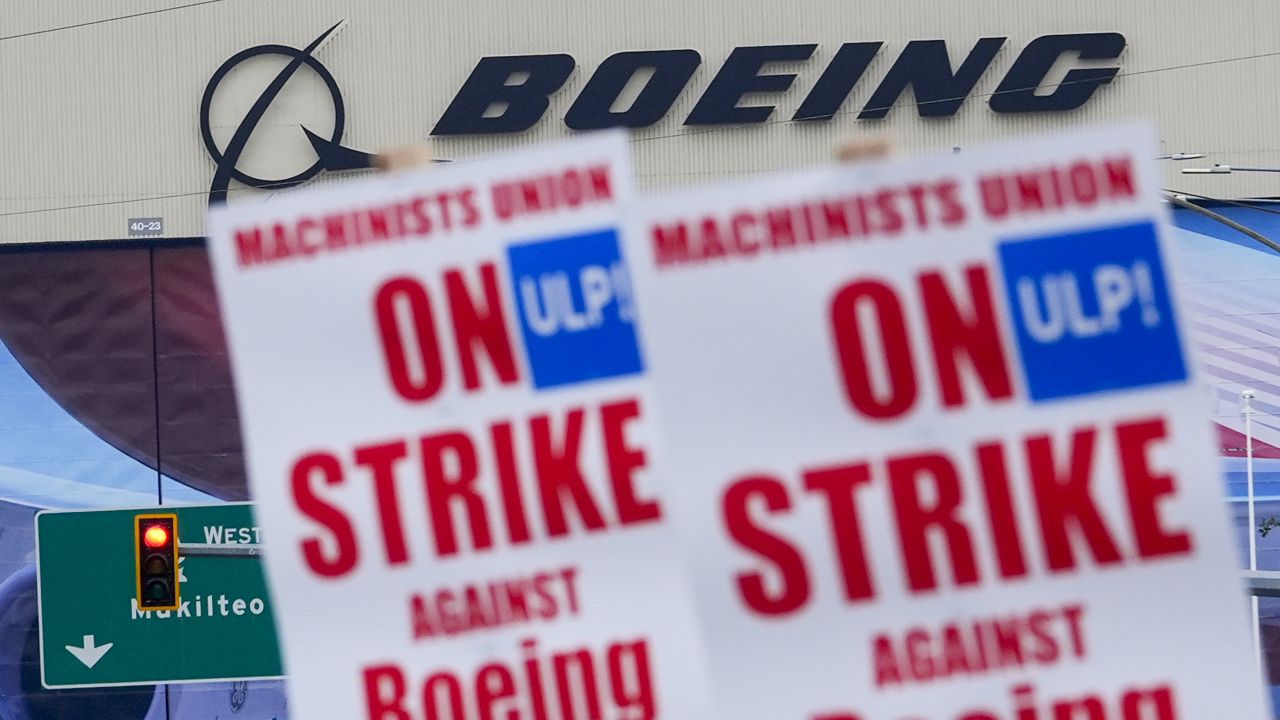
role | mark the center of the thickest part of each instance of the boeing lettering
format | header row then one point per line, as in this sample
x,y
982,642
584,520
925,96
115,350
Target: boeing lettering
x,y
511,93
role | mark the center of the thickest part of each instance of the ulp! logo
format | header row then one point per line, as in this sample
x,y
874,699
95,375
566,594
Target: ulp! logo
x,y
330,154
576,309
1093,311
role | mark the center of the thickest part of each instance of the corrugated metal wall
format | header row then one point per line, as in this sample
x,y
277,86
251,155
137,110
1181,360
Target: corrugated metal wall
x,y
100,123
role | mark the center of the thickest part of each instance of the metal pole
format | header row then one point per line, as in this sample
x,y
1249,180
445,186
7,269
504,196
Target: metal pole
x,y
1262,583
212,550
1188,205
1247,396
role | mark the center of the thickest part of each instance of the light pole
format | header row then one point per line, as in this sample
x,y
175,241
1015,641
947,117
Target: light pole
x,y
1246,397
1226,170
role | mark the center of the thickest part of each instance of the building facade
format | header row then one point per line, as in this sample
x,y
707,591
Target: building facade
x,y
115,128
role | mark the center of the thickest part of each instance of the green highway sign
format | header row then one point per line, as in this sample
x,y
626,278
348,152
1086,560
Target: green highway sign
x,y
92,632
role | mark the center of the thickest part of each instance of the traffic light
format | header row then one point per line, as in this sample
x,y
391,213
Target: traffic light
x,y
155,537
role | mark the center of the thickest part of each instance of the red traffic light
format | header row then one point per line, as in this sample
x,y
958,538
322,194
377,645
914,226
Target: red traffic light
x,y
156,536
156,543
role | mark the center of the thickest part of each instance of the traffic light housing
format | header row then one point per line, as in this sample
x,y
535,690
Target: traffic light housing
x,y
155,539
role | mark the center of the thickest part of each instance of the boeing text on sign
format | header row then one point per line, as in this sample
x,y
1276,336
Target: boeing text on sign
x,y
450,438
935,444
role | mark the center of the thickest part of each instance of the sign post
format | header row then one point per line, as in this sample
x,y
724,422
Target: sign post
x,y
92,631
451,444
936,446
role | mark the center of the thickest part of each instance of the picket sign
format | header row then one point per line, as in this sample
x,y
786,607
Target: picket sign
x,y
934,442
451,443
930,443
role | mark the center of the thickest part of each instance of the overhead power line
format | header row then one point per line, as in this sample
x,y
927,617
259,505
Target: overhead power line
x,y
923,103
90,23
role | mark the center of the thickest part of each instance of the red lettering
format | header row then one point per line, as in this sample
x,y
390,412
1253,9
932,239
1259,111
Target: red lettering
x,y
376,225
423,623
712,245
570,577
280,249
1008,642
995,198
559,471
453,696
1120,177
879,300
1073,614
328,470
486,326
915,518
249,250
1083,183
886,660
509,483
782,229
976,336
890,219
412,296
442,488
633,696
601,183
743,226
785,558
539,701
418,210
571,189
470,209
837,485
955,653
531,192
1145,489
953,209
384,688
1046,649
1000,511
335,229
488,692
835,216
917,195
1063,498
670,244
1030,194
562,664
381,462
919,659
624,460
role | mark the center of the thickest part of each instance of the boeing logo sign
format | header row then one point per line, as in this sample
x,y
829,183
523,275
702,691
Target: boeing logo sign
x,y
330,153
511,93
636,89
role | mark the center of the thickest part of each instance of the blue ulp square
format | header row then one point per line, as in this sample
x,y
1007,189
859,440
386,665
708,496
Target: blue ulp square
x,y
1092,311
577,315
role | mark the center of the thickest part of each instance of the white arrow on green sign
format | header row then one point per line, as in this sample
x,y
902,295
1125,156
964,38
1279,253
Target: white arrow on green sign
x,y
89,653
92,633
